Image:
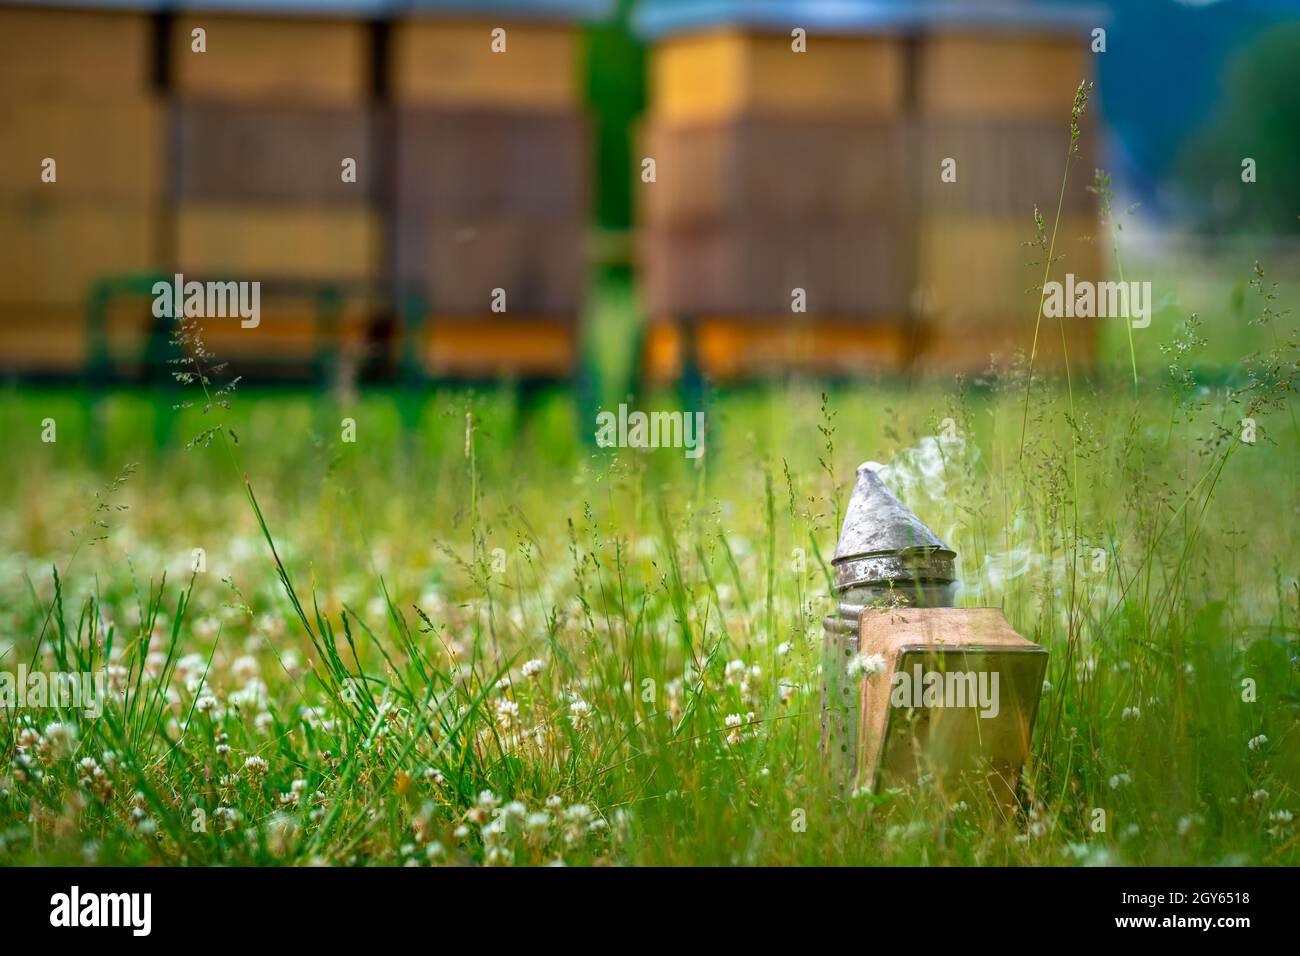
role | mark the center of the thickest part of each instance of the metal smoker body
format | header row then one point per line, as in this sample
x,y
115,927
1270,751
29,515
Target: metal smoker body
x,y
886,557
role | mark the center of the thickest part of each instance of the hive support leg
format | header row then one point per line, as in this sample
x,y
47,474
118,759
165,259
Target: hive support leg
x,y
693,387
587,394
329,305
97,367
410,375
158,372
97,358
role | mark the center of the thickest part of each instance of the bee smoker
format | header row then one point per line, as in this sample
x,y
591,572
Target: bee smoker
x,y
903,670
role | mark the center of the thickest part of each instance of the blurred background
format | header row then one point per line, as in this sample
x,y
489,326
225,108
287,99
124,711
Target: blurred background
x,y
610,194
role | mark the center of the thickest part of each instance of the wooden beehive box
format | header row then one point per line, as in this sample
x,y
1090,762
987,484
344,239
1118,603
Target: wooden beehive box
x,y
994,91
75,88
489,187
776,169
979,721
260,125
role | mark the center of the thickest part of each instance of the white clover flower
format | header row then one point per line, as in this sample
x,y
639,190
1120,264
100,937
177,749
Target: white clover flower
x,y
1259,796
59,737
483,807
1131,713
537,823
734,720
253,695
533,667
1120,780
507,711
579,713
1281,816
256,766
864,665
783,648
578,821
1254,743
245,669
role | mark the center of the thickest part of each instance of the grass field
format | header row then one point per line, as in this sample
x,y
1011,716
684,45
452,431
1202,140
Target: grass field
x,y
470,636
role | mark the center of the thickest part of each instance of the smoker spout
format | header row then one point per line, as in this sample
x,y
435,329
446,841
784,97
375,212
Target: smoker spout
x,y
886,552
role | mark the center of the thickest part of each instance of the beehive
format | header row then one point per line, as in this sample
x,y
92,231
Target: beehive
x,y
773,168
995,84
75,88
772,225
489,198
262,122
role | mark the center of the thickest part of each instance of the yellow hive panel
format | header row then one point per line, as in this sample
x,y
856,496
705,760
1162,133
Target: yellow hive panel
x,y
50,254
65,53
494,345
726,73
103,151
36,338
56,338
974,341
290,330
968,264
698,77
729,348
1000,76
246,241
281,59
453,64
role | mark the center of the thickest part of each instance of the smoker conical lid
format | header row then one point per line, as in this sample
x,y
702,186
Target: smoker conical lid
x,y
897,543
